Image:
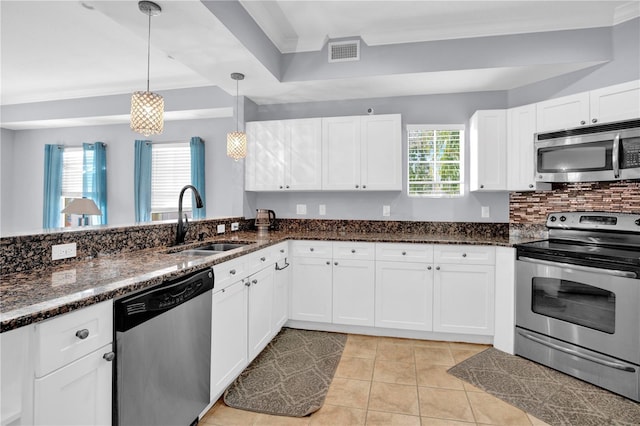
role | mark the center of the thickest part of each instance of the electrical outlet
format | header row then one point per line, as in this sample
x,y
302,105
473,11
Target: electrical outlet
x,y
301,209
322,210
220,229
485,211
63,251
386,211
235,226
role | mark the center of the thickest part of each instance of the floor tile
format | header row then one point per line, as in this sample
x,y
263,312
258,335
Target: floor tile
x,y
393,398
475,347
429,421
460,355
355,368
436,376
440,356
268,420
360,348
491,410
378,418
393,352
348,393
332,415
394,372
223,415
445,404
396,340
431,344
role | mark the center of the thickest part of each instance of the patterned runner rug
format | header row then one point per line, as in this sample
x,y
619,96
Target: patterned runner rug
x,y
547,394
291,376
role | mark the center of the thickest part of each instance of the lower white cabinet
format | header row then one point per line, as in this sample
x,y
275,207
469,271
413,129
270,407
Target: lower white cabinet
x,y
229,336
76,394
353,292
404,295
260,287
280,313
311,289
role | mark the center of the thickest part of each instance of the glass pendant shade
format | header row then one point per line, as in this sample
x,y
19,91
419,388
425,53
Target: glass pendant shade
x,y
237,145
147,113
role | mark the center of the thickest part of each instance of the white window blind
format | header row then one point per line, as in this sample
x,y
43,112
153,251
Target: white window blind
x,y
170,172
435,160
72,172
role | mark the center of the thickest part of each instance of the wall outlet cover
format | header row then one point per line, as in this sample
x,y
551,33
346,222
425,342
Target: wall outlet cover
x,y
235,226
485,212
322,209
386,211
220,229
301,209
63,251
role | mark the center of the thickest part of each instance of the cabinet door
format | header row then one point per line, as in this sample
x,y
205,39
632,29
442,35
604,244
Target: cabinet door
x,y
521,128
265,159
615,103
303,156
381,152
563,113
311,289
281,296
260,307
404,295
76,394
229,336
353,292
488,150
341,153
463,299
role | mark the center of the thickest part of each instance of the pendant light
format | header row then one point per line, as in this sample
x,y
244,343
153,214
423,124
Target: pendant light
x,y
237,141
147,108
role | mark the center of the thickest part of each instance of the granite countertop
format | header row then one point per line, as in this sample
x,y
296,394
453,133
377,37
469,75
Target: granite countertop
x,y
33,296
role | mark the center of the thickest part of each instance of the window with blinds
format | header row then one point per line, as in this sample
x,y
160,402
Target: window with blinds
x,y
435,160
72,172
170,172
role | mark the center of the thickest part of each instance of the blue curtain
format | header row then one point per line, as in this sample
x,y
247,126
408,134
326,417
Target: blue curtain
x,y
52,186
94,178
197,176
142,181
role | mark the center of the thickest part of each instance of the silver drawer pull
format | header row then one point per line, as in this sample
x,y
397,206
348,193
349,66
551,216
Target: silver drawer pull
x,y
109,356
464,254
82,334
232,272
254,282
353,250
311,249
263,258
428,268
281,250
437,268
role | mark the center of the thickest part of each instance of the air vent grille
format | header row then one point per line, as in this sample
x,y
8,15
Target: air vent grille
x,y
344,51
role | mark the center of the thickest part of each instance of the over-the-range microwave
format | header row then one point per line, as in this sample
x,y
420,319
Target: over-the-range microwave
x,y
603,152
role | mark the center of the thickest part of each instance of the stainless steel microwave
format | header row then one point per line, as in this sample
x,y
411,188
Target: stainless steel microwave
x,y
604,152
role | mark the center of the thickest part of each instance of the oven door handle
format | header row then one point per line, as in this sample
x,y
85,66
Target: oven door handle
x,y
614,272
569,351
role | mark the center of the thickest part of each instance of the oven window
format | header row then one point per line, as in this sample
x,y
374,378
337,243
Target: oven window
x,y
575,302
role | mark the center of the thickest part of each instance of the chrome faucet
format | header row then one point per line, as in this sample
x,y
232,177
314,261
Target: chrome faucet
x,y
182,227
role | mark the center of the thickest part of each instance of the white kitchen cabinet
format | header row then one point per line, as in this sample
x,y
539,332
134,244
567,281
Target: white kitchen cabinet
x,y
604,105
404,295
16,387
229,336
281,288
488,166
283,155
311,289
77,394
260,287
521,129
353,292
362,153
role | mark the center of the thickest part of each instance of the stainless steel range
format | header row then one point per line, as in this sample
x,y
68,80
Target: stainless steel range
x,y
578,299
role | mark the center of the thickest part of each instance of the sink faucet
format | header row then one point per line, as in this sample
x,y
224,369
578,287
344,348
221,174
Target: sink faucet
x,y
182,227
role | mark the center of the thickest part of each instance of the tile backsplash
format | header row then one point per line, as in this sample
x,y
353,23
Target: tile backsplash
x,y
532,208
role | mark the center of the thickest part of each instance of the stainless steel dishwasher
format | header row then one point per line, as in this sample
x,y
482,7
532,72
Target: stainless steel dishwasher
x,y
163,353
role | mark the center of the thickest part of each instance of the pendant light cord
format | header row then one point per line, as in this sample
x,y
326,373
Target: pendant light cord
x,y
148,50
237,108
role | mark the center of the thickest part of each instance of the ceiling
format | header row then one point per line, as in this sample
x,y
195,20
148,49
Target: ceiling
x,y
54,50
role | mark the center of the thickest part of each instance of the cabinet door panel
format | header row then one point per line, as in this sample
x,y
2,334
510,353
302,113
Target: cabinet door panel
x,y
404,294
488,151
563,113
267,141
229,336
311,289
260,307
303,169
353,292
281,296
76,394
341,153
521,128
615,103
464,299
381,152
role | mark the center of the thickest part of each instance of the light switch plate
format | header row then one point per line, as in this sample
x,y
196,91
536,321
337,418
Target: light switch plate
x,y
301,209
63,251
485,211
386,211
220,229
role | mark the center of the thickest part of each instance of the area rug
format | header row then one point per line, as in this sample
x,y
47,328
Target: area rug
x,y
547,394
291,376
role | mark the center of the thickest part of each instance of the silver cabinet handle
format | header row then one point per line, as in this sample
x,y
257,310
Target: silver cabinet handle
x,y
335,263
328,263
437,268
428,268
82,334
280,186
582,122
614,272
109,356
254,282
481,186
232,272
222,290
530,185
594,120
464,254
281,250
364,186
311,249
357,186
263,258
404,253
247,283
353,250
287,186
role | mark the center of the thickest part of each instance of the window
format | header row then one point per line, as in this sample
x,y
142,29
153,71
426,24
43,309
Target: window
x,y
435,160
71,181
170,172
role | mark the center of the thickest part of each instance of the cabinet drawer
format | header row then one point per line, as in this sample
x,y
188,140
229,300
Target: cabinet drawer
x,y
260,259
68,337
354,250
227,273
281,250
312,249
404,252
469,255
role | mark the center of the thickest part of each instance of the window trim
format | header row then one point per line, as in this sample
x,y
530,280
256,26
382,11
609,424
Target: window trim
x,y
436,127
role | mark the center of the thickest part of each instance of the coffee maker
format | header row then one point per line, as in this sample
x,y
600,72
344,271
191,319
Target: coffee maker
x,y
265,220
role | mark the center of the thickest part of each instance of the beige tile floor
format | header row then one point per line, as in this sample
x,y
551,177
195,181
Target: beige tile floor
x,y
388,381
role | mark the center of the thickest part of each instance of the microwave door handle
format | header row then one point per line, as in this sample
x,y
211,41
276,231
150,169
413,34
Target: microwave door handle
x,y
615,156
614,272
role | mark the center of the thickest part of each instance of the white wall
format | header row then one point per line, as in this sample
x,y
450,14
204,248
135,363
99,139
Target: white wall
x,y
6,178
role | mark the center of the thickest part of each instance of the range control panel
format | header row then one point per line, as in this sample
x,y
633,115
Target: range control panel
x,y
619,222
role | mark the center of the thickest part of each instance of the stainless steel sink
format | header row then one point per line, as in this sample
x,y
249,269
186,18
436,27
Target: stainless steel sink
x,y
210,249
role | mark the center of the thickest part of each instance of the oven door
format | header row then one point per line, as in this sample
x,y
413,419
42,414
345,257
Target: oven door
x,y
589,307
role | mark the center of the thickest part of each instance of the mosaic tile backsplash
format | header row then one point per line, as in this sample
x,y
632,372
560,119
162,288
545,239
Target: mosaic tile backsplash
x,y
532,208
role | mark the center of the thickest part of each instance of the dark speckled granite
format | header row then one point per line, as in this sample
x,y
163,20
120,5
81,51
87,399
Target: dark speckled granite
x,y
32,295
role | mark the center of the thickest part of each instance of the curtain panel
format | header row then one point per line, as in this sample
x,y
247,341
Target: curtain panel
x,y
198,176
52,186
142,180
94,178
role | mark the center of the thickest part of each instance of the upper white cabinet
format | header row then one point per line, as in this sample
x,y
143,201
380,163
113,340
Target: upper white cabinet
x,y
608,104
488,150
362,153
283,155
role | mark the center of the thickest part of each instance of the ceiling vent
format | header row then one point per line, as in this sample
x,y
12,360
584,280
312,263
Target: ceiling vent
x,y
342,51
